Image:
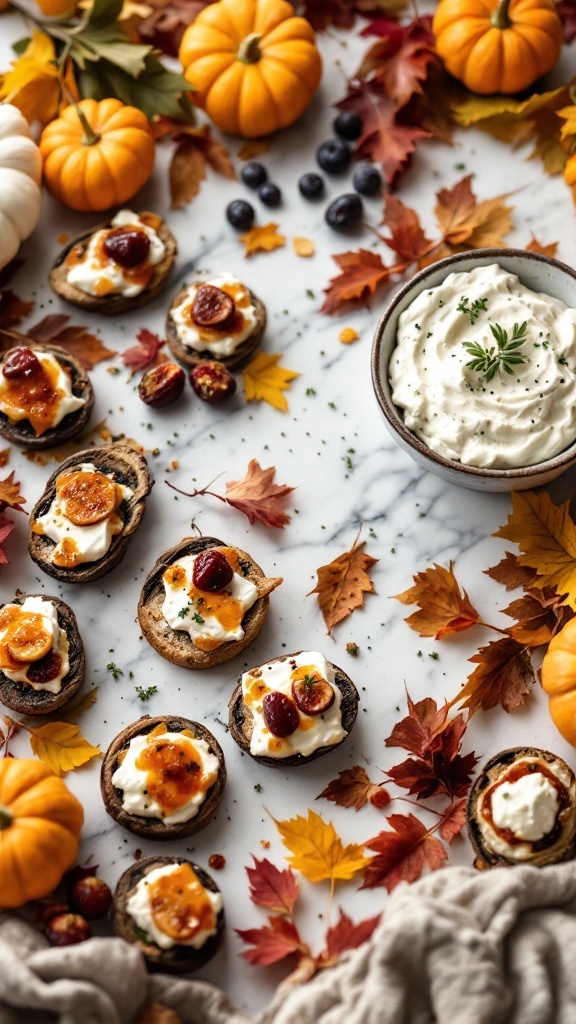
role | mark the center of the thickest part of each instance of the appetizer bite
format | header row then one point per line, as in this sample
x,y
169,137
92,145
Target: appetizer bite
x,y
204,602
163,778
45,396
88,513
172,910
41,654
522,809
116,266
218,319
292,709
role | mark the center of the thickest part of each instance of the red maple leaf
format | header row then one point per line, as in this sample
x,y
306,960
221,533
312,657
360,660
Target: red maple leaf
x,y
6,527
402,854
353,788
269,887
362,272
139,356
323,13
346,935
453,820
406,238
400,58
422,724
258,497
272,942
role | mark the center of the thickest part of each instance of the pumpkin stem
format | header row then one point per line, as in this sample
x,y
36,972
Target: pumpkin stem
x,y
249,52
6,817
90,137
500,18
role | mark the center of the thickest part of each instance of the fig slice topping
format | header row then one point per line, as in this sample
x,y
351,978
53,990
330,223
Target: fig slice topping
x,y
212,307
22,362
86,498
280,714
312,694
46,669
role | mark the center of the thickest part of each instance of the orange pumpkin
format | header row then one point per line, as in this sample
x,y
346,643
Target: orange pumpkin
x,y
570,171
254,66
559,680
40,822
497,45
57,8
97,154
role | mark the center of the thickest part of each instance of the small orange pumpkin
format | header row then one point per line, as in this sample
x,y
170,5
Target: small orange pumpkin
x,y
40,822
497,45
57,8
570,170
254,66
559,680
97,154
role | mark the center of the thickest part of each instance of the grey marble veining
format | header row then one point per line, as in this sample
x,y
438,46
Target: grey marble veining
x,y
333,447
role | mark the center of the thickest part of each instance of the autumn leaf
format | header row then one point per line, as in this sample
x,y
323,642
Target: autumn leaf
x,y
317,851
253,147
505,675
353,788
453,820
4,456
462,219
545,250
423,723
164,22
55,330
346,935
403,853
258,497
406,237
139,356
33,82
263,239
347,335
400,58
510,573
10,496
265,381
271,888
6,527
61,746
443,607
303,246
195,148
567,11
323,14
13,309
272,942
540,614
362,272
342,584
439,767
546,535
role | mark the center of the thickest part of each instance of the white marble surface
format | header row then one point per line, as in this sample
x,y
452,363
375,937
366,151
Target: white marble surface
x,y
408,518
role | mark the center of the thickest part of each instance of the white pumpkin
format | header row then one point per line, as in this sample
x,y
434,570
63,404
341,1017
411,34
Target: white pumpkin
x,y
20,175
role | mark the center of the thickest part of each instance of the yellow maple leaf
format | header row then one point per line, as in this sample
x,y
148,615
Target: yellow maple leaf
x,y
493,222
568,114
317,850
33,82
263,239
264,381
546,535
61,746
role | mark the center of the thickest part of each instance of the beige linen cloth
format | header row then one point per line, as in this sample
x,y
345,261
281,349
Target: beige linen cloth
x,y
457,947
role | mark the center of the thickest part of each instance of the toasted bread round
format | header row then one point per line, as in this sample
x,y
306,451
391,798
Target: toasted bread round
x,y
23,433
111,305
179,959
190,357
27,701
155,828
241,722
129,468
176,645
558,845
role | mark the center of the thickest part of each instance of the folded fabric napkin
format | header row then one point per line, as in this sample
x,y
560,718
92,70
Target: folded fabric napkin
x,y
457,947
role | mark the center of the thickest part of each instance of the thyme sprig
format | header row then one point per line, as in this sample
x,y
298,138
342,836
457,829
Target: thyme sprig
x,y
505,356
478,306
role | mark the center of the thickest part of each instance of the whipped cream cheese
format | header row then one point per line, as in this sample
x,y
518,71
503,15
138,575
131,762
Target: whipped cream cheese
x,y
314,731
66,402
89,542
134,780
517,406
202,339
185,608
527,807
49,613
98,275
140,910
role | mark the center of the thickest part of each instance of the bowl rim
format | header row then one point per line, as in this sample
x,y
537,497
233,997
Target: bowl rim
x,y
393,416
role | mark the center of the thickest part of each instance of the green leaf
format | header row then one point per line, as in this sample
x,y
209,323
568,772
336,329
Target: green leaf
x,y
112,45
21,45
103,12
156,91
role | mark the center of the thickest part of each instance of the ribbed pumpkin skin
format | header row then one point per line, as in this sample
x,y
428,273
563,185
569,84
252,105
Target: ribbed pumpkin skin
x,y
57,8
251,99
41,843
20,176
107,173
497,60
559,680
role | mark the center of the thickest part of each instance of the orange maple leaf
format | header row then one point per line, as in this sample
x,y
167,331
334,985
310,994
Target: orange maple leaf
x,y
462,218
407,238
258,497
444,607
10,494
264,239
353,788
545,250
505,675
342,584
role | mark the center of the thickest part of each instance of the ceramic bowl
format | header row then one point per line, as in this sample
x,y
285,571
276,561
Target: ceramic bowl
x,y
540,274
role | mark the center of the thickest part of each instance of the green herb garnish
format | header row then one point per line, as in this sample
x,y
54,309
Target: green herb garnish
x,y
506,356
197,618
308,681
116,672
184,611
145,694
473,311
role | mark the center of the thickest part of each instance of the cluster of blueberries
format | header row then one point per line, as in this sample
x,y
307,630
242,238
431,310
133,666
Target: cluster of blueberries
x,y
333,157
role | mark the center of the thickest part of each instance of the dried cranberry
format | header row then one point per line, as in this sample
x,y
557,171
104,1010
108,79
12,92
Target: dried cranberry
x,y
212,307
280,714
127,246
216,861
312,696
212,381
90,897
212,571
162,385
46,669
21,363
67,930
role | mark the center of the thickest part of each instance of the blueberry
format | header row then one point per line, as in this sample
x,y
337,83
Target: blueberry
x,y
311,186
367,180
253,175
344,212
348,125
334,156
270,194
240,214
